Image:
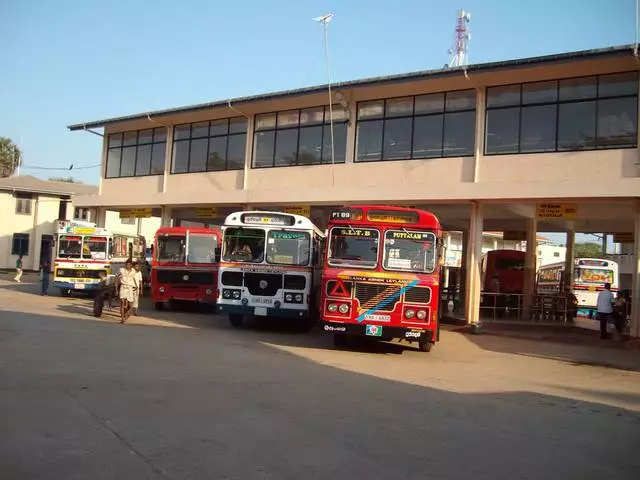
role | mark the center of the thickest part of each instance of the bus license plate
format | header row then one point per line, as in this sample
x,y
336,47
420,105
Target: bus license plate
x,y
263,300
261,311
376,317
79,286
373,331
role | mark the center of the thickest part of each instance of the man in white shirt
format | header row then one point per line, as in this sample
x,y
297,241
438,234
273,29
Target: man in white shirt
x,y
128,289
605,308
139,286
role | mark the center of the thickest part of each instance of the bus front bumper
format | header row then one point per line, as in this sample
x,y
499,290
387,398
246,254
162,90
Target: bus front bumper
x,y
75,286
381,332
261,311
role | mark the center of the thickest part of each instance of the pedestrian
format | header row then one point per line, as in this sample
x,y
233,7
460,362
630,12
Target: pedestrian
x,y
604,309
18,276
45,269
128,291
138,276
620,313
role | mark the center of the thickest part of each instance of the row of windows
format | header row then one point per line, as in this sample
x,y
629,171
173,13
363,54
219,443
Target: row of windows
x,y
573,114
20,244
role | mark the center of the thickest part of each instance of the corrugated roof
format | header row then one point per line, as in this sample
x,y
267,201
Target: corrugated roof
x,y
397,78
28,183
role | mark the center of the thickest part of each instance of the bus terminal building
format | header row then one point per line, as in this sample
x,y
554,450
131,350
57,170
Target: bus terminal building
x,y
523,146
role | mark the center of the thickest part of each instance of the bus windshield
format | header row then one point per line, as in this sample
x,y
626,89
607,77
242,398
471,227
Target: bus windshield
x,y
69,246
243,245
288,247
95,248
593,275
409,251
171,248
202,249
354,246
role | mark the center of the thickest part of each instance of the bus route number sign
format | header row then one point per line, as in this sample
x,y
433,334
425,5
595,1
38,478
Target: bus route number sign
x,y
346,214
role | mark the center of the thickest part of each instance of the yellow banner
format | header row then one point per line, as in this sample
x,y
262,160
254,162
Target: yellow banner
x,y
304,210
207,212
135,213
84,230
567,211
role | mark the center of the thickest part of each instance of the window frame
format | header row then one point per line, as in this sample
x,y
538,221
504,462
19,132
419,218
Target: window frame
x,y
413,116
188,141
121,146
326,131
21,237
596,98
23,200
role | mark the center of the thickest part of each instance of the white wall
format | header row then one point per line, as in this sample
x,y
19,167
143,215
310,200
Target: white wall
x,y
148,226
547,254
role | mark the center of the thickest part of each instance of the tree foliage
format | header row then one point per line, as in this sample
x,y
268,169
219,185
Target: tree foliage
x,y
10,157
64,179
589,250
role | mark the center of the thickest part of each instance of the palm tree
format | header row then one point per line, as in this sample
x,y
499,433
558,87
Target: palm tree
x,y
10,157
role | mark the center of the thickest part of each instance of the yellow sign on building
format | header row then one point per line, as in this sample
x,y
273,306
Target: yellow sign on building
x,y
207,212
304,210
135,213
567,211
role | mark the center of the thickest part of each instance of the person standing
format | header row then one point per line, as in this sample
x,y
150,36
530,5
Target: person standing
x,y
139,286
18,276
45,268
604,309
128,290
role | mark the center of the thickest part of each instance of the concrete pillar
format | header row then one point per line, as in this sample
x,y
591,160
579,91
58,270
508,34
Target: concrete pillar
x,y
168,152
352,126
474,255
166,217
530,265
568,260
248,151
635,282
604,245
480,127
101,217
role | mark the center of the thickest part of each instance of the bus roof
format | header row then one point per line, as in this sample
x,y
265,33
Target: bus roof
x,y
584,262
184,230
258,218
383,214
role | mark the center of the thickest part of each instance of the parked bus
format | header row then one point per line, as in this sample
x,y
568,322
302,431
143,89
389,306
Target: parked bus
x,y
589,277
269,266
185,265
381,275
507,266
84,251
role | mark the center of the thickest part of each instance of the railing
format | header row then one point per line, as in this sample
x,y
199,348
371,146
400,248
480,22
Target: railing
x,y
512,307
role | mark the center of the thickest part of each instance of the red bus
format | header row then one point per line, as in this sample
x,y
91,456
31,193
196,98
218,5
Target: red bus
x,y
185,265
381,274
505,265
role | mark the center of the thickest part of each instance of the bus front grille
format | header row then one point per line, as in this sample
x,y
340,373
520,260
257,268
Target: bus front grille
x,y
379,296
418,295
185,277
263,284
79,273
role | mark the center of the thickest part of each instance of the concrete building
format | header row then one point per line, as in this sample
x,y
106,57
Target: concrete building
x,y
537,144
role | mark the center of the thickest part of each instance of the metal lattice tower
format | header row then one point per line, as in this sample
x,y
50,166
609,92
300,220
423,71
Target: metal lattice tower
x,y
460,50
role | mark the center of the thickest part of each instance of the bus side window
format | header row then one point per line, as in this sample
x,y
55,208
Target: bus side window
x,y
110,248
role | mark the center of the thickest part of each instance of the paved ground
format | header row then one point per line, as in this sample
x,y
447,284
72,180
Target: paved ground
x,y
183,395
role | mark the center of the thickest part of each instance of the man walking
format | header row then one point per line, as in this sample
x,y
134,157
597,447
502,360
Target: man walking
x,y
128,290
605,308
139,285
45,268
18,276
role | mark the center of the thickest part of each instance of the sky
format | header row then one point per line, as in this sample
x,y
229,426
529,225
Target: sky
x,y
66,62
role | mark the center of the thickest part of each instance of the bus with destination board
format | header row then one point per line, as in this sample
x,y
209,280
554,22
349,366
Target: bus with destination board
x,y
589,277
184,265
381,274
84,252
270,266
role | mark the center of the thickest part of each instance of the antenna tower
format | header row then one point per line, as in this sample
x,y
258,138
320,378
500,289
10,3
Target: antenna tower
x,y
460,51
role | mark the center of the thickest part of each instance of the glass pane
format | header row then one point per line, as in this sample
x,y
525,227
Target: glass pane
x,y
199,130
399,107
618,84
238,125
369,141
128,164
288,119
267,120
502,130
339,143
576,126
115,140
310,150
159,134
503,96
540,92
286,147
427,136
198,155
219,127
113,163
263,145
459,134
618,122
143,162
181,132
397,139
217,154
339,114
313,115
538,130
158,154
371,109
433,103
145,136
236,147
129,138
180,156
462,100
578,88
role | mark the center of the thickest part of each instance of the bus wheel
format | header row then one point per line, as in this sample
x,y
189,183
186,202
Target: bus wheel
x,y
159,305
425,346
339,340
65,292
235,320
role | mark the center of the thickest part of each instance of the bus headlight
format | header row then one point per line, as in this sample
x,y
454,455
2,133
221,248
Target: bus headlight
x,y
299,297
236,294
343,308
332,307
421,314
207,291
161,289
288,297
409,313
226,293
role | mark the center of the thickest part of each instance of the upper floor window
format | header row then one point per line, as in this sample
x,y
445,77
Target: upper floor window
x,y
81,214
423,126
300,137
209,146
136,153
23,204
573,114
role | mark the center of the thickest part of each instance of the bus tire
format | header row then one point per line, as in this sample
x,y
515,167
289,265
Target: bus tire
x,y
65,292
339,340
159,305
425,346
236,320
